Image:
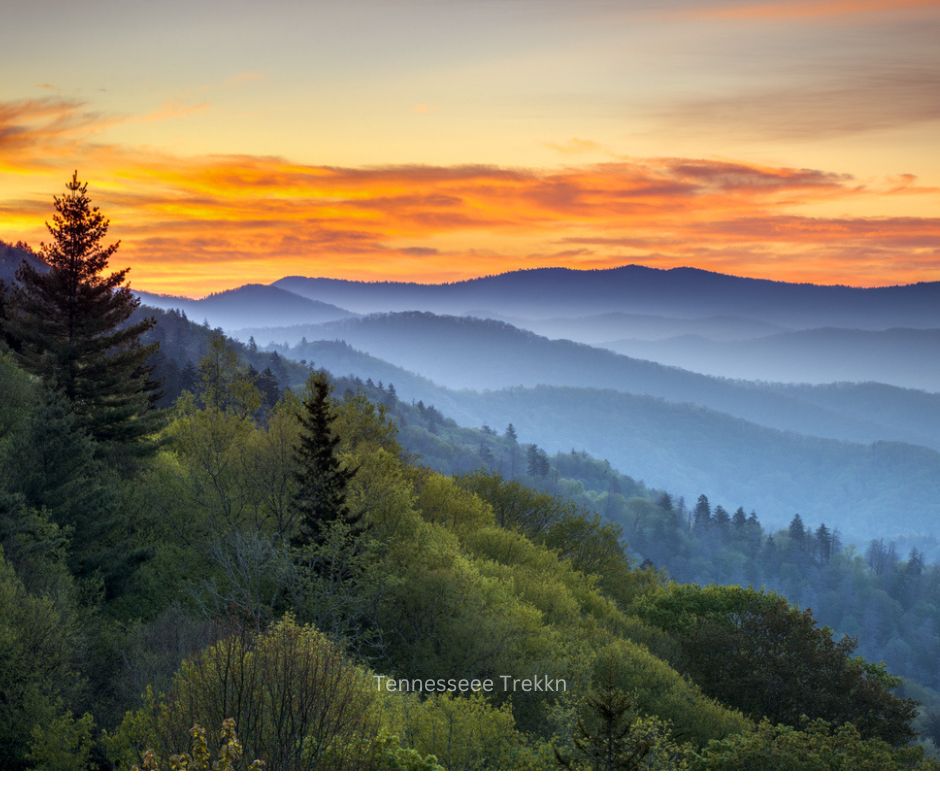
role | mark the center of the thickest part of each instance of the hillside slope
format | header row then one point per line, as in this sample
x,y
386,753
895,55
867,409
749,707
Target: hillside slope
x,y
249,305
899,356
469,353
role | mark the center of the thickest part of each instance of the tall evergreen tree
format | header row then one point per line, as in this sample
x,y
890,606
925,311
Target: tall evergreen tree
x,y
73,325
513,440
702,515
322,480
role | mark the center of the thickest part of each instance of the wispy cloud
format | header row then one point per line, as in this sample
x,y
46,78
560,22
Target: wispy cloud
x,y
854,102
201,223
805,10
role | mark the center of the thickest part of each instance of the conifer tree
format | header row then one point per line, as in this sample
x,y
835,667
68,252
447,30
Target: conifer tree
x,y
322,480
73,325
513,440
702,514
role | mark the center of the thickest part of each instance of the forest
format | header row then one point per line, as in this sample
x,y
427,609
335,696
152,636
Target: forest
x,y
211,556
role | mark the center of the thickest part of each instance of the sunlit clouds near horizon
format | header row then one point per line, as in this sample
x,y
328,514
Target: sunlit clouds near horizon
x,y
439,141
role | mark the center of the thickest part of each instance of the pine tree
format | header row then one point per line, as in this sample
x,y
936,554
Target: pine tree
x,y
321,478
537,461
702,514
73,324
513,440
824,543
609,735
796,529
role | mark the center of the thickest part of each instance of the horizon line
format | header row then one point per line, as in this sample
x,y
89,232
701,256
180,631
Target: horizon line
x,y
542,269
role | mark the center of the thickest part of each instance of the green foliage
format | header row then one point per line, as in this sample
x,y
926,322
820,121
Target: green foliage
x,y
225,383
71,325
611,736
321,477
192,569
592,546
815,745
198,758
64,744
755,652
295,700
38,646
464,733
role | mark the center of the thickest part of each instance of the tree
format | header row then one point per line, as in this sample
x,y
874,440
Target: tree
x,y
296,700
322,480
702,514
797,530
755,652
56,471
824,543
38,646
537,461
224,382
611,735
513,440
816,746
74,325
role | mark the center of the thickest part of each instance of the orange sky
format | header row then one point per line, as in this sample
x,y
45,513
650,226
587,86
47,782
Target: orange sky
x,y
788,140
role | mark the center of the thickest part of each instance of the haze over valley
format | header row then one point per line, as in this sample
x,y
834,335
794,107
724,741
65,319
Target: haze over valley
x,y
782,397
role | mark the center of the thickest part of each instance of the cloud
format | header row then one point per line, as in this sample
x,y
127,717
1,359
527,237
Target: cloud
x,y
859,100
804,10
204,223
34,123
419,251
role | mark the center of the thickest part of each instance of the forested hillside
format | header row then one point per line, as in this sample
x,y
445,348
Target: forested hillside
x,y
882,593
213,558
687,449
198,545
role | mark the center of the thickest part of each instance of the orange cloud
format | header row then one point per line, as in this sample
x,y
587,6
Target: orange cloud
x,y
197,224
808,9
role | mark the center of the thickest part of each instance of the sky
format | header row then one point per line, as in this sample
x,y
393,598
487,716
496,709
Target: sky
x,y
436,140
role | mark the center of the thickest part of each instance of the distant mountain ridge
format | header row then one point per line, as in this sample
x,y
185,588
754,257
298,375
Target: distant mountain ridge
x,y
469,353
901,356
614,326
11,257
250,304
678,292
883,488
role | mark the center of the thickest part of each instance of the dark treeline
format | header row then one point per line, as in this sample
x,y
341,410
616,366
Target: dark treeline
x,y
226,582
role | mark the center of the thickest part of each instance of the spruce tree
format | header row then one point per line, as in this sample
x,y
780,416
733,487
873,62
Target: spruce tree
x,y
73,325
702,514
322,480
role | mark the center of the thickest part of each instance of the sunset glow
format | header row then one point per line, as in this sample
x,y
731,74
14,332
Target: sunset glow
x,y
653,148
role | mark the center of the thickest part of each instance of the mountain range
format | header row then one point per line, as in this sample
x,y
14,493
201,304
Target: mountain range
x,y
856,452
687,293
470,353
250,304
901,356
878,488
